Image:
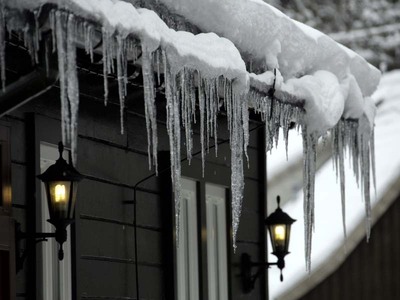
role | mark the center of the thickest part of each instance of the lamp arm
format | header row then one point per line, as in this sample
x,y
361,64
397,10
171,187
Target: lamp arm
x,y
40,236
60,235
249,279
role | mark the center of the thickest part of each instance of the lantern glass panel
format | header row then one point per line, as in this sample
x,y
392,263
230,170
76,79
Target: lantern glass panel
x,y
60,192
280,234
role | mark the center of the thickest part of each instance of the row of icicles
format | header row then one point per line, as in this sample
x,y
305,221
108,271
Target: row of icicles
x,y
190,95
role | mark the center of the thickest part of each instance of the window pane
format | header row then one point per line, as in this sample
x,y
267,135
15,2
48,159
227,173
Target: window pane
x,y
216,242
187,252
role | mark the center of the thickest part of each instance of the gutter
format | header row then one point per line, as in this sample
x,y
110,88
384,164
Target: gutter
x,y
26,89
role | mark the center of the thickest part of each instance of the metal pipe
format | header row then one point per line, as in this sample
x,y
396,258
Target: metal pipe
x,y
26,89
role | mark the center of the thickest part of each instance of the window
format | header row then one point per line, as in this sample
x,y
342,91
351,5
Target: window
x,y
56,275
7,228
5,173
216,242
213,207
187,252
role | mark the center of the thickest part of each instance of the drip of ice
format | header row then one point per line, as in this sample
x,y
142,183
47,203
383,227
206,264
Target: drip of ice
x,y
73,87
372,147
202,108
122,65
52,22
235,120
60,30
65,33
187,92
88,34
150,107
338,143
364,137
309,169
358,138
174,132
276,115
36,37
108,55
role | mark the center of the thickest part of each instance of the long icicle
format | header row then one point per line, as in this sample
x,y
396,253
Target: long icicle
x,y
341,145
309,169
174,133
72,83
121,76
105,39
150,108
62,68
237,176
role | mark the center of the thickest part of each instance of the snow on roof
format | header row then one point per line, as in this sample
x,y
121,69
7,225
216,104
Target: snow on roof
x,y
256,28
329,239
267,35
326,80
211,55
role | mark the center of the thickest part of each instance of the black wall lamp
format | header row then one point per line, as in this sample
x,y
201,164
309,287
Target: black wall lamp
x,y
61,182
279,224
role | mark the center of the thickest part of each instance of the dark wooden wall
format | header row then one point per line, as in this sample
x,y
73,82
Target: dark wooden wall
x,y
372,270
103,234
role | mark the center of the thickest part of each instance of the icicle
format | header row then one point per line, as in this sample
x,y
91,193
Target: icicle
x,y
215,119
356,151
73,88
365,177
150,108
187,109
36,36
2,46
309,169
338,147
52,22
193,95
88,37
372,146
158,66
105,63
341,146
174,133
246,134
207,110
202,113
237,174
62,68
121,76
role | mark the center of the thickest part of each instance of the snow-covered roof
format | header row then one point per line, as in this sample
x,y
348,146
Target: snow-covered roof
x,y
272,38
309,78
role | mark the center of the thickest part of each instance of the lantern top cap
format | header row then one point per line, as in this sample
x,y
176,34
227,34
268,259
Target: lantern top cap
x,y
279,216
60,149
61,170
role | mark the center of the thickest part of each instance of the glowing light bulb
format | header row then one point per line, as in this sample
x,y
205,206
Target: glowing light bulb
x,y
60,193
280,232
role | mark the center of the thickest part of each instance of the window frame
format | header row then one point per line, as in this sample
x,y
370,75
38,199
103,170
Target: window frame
x,y
219,175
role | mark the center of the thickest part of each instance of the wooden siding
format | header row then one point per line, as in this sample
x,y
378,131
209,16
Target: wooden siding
x,y
372,270
104,235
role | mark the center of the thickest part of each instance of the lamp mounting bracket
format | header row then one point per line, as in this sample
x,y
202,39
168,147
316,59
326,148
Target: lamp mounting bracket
x,y
60,235
249,279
